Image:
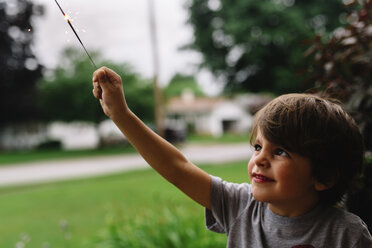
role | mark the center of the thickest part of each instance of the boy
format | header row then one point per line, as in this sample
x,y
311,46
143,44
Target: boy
x,y
307,151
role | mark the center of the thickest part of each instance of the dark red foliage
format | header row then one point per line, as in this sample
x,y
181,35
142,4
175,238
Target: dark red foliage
x,y
342,68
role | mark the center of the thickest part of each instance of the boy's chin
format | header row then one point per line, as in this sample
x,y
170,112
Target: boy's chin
x,y
259,196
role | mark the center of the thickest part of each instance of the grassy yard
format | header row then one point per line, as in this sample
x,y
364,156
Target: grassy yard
x,y
226,138
78,213
40,155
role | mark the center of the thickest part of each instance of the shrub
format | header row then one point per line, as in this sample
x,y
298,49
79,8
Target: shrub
x,y
341,68
50,145
170,228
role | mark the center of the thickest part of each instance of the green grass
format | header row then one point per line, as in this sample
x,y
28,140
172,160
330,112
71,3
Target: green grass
x,y
87,206
7,158
226,138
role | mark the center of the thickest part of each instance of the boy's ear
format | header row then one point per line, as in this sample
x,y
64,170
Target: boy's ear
x,y
330,182
321,186
327,181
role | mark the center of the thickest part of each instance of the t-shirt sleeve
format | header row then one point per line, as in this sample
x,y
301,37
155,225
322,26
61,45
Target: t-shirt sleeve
x,y
228,200
365,239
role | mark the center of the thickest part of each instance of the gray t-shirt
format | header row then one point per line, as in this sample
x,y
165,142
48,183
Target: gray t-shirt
x,y
250,223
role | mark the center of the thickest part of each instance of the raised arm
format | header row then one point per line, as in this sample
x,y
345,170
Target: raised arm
x,y
166,159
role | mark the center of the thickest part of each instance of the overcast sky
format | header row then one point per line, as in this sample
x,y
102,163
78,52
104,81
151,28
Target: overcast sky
x,y
120,30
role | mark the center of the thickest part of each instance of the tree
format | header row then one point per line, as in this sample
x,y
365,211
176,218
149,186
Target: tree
x,y
256,45
342,68
19,69
67,95
181,82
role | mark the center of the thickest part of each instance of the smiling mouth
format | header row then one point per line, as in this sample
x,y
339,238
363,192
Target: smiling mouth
x,y
258,178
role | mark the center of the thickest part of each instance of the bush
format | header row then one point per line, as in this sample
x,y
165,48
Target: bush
x,y
50,145
171,228
341,68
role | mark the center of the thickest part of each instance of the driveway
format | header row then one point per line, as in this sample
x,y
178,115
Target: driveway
x,y
48,171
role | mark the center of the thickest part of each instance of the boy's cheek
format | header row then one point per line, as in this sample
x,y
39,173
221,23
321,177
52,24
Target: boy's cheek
x,y
250,168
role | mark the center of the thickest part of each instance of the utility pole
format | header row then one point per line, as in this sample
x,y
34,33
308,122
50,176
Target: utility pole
x,y
158,108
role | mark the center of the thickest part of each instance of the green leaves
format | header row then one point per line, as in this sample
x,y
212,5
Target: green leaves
x,y
173,227
19,70
268,35
181,82
67,95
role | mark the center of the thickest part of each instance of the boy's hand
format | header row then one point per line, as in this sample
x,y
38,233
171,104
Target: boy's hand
x,y
108,88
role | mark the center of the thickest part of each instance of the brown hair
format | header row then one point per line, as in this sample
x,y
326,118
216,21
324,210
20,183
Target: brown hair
x,y
320,130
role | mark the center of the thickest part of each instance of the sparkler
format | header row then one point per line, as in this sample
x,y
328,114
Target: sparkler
x,y
77,36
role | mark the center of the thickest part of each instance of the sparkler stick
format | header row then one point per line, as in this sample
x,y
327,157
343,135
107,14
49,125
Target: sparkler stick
x,y
77,36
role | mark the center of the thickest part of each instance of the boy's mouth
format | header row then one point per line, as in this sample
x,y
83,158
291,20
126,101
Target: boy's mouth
x,y
258,178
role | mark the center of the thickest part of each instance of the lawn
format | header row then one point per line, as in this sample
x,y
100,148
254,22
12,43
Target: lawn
x,y
80,213
226,138
16,157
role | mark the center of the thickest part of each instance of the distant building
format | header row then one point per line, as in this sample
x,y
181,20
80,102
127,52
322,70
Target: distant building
x,y
22,136
69,136
210,116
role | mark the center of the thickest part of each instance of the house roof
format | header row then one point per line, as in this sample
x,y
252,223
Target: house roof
x,y
196,105
189,103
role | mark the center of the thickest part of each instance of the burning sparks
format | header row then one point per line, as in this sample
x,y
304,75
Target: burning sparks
x,y
67,18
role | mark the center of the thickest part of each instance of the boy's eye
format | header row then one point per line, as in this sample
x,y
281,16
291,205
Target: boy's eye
x,y
281,152
257,147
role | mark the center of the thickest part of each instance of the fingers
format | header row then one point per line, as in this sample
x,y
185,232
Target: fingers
x,y
104,79
105,74
111,75
97,91
95,74
99,77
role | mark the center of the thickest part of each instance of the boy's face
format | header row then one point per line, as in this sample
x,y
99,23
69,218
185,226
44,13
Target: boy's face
x,y
281,178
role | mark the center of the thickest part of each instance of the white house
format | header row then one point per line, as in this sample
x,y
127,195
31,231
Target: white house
x,y
211,116
82,135
73,135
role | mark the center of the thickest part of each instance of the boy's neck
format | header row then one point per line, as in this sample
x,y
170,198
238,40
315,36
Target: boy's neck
x,y
294,209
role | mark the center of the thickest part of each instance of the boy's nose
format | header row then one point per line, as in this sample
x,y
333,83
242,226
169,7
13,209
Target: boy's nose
x,y
261,160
